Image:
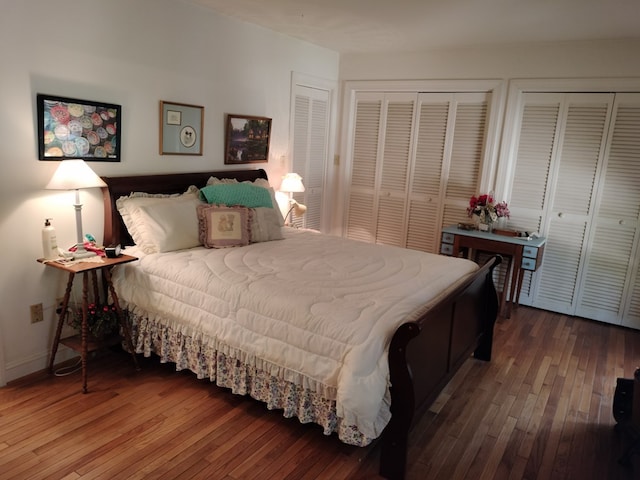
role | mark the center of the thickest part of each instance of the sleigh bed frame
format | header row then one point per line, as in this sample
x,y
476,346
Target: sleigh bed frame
x,y
420,363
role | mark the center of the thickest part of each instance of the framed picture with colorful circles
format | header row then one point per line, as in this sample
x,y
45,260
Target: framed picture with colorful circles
x,y
73,128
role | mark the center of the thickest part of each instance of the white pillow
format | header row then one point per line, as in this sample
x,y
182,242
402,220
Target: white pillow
x,y
131,213
265,225
170,224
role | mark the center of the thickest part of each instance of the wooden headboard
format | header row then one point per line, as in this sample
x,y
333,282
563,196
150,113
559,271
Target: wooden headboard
x,y
114,230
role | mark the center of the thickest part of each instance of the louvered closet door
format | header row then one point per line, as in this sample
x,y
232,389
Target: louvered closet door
x,y
560,149
310,145
446,169
380,167
609,291
463,167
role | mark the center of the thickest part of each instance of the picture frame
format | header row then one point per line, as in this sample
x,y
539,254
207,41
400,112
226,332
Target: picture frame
x,y
181,127
247,139
74,128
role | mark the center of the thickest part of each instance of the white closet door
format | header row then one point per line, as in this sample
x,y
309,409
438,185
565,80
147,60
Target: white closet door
x,y
560,147
450,138
396,154
580,151
416,161
427,185
462,172
608,291
310,150
380,167
537,132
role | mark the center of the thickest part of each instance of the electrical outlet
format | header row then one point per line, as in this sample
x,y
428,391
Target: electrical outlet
x,y
37,314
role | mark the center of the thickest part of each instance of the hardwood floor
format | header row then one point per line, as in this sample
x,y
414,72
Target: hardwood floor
x,y
542,409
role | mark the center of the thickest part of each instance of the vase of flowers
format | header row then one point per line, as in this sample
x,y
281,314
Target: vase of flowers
x,y
102,320
486,211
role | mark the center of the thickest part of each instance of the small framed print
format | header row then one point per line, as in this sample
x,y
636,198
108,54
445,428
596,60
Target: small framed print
x,y
181,128
247,139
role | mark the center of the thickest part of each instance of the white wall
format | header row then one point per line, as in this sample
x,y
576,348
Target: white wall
x,y
549,60
132,53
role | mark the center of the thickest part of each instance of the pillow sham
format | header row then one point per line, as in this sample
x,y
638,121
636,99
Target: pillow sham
x,y
170,225
245,194
129,208
265,225
221,226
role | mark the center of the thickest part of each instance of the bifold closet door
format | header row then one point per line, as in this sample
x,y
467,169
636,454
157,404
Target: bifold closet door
x,y
577,179
560,148
609,290
382,139
416,160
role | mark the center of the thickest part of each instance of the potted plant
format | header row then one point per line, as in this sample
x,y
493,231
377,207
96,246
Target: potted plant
x,y
102,320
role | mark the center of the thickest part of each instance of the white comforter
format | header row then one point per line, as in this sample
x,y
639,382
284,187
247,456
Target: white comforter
x,y
314,309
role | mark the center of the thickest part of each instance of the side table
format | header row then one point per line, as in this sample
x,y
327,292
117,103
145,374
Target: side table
x,y
86,269
523,255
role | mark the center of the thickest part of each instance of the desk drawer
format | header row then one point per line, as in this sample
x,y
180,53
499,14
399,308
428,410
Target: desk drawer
x,y
447,237
528,264
531,252
446,248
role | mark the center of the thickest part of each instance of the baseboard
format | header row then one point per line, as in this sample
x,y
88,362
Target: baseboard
x,y
35,363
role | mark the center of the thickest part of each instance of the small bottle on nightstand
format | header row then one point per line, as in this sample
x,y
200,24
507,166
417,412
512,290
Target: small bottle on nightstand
x,y
49,241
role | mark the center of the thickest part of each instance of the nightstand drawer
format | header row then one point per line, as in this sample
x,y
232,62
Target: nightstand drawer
x,y
446,249
447,238
528,264
531,252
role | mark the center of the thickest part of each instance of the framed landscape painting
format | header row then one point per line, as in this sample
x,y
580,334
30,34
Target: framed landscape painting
x,y
247,139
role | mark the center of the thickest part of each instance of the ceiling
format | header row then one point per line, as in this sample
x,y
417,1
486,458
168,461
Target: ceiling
x,y
359,26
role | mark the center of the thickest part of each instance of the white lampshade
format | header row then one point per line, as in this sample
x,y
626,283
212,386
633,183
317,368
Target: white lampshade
x,y
74,174
292,183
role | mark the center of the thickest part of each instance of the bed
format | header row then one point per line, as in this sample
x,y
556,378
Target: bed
x,y
355,337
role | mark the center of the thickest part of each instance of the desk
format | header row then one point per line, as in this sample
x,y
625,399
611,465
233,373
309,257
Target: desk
x,y
82,344
523,255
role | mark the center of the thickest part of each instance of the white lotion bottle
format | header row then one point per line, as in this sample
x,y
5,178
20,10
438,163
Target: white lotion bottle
x,y
49,241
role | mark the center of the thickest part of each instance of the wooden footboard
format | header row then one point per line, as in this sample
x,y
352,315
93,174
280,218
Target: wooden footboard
x,y
422,364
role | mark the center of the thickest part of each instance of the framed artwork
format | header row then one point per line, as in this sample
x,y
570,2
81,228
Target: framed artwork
x,y
247,139
73,128
181,128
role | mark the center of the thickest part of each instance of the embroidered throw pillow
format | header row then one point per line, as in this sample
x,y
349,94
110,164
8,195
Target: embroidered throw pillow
x,y
221,226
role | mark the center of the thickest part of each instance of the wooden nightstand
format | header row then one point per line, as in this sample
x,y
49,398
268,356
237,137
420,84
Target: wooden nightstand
x,y
81,343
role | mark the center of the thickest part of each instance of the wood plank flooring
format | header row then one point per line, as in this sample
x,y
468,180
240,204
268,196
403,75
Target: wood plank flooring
x,y
542,409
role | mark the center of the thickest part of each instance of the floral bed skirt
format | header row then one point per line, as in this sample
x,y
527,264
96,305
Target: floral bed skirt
x,y
187,352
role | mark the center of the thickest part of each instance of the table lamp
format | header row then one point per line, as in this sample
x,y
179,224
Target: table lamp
x,y
74,175
292,183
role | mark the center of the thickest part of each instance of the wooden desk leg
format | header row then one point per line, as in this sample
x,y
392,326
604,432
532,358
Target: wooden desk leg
x,y
504,298
85,328
517,261
519,289
123,321
61,316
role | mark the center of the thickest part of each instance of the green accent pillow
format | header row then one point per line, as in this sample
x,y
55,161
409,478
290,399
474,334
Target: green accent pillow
x,y
245,194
